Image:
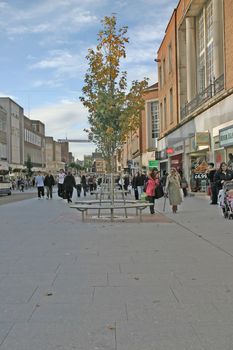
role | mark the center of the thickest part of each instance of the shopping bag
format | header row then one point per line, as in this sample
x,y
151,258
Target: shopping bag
x,y
144,197
182,194
159,191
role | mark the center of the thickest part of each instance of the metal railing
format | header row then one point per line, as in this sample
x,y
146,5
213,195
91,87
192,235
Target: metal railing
x,y
216,86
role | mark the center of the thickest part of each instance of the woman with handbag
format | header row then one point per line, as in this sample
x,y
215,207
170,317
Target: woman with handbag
x,y
173,189
151,184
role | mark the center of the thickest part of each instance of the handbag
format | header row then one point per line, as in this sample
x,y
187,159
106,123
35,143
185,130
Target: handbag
x,y
182,194
159,191
144,197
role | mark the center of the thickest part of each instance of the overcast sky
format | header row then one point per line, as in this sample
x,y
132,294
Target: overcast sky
x,y
43,49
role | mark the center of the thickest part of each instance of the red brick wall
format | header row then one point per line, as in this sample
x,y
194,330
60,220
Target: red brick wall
x,y
171,77
228,14
149,95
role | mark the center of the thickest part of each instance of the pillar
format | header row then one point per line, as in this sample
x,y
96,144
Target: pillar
x,y
218,37
190,58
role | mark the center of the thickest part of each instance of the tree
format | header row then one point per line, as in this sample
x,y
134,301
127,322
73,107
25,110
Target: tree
x,y
76,166
29,166
113,110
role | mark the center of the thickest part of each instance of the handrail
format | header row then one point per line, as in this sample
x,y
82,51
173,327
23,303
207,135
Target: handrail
x,y
215,87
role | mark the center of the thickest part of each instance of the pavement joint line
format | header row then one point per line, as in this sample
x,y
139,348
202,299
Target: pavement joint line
x,y
53,281
57,268
7,334
197,335
34,309
203,238
174,294
120,268
115,335
107,279
177,279
126,312
93,295
29,299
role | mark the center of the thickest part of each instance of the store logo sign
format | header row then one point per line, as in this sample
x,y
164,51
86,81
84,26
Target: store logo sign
x,y
170,150
226,137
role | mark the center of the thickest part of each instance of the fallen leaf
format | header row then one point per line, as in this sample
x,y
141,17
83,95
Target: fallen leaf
x,y
111,327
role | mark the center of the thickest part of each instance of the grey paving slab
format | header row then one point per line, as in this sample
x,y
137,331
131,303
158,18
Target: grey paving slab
x,y
214,335
155,336
81,279
65,336
68,285
11,313
5,328
116,295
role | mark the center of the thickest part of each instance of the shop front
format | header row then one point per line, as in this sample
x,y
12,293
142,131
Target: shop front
x,y
199,156
176,159
226,143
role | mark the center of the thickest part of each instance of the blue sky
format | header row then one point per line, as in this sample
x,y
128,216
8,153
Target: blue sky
x,y
43,49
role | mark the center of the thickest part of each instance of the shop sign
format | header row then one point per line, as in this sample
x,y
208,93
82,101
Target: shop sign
x,y
153,163
170,150
202,139
226,137
200,176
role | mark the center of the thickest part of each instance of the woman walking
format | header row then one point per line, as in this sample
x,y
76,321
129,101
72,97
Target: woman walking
x,y
152,182
222,174
173,189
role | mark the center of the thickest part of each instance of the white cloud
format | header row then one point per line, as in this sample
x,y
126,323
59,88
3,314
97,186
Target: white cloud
x,y
63,63
47,83
67,119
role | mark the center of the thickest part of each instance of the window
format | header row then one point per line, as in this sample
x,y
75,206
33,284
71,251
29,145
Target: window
x,y
171,106
164,71
154,119
3,124
161,117
170,58
205,47
160,77
165,113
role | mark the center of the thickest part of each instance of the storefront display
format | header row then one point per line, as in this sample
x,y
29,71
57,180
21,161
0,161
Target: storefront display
x,y
198,178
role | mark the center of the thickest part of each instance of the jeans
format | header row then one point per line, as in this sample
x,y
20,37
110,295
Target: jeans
x,y
40,190
49,191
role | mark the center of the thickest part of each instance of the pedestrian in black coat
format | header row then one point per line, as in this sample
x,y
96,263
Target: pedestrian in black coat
x,y
69,184
222,175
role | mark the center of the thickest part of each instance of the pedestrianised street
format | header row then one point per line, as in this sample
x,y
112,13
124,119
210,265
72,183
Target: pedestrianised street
x,y
159,285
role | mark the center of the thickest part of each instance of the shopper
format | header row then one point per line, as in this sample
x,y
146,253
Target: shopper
x,y
173,189
39,181
78,184
49,183
210,172
222,175
152,182
69,184
61,177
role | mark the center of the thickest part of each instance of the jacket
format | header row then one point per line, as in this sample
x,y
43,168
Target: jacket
x,y
69,182
150,186
173,189
49,181
219,176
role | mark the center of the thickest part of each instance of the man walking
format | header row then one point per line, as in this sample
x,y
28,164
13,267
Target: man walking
x,y
61,177
69,184
39,181
49,183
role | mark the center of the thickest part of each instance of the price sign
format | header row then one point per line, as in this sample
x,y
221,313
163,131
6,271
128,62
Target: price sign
x,y
201,176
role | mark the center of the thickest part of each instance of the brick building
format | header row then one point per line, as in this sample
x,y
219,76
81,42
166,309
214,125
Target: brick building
x,y
195,85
